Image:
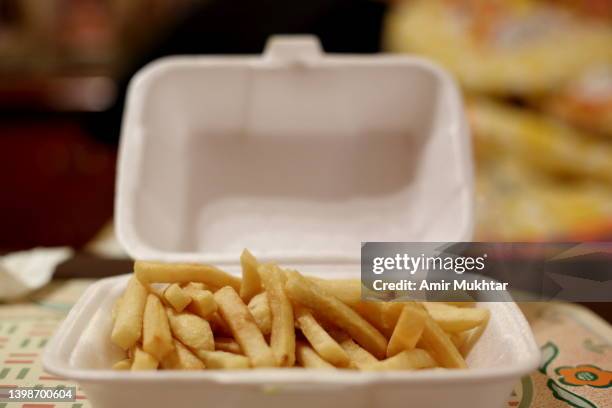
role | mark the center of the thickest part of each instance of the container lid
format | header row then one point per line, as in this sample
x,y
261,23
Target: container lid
x,y
297,155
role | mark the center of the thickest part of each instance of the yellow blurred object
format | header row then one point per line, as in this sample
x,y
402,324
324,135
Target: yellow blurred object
x,y
518,47
514,203
536,178
541,142
585,101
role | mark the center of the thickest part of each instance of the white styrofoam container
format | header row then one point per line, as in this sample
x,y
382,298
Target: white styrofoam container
x,y
298,156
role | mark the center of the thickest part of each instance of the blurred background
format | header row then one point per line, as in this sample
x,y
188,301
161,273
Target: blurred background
x,y
536,75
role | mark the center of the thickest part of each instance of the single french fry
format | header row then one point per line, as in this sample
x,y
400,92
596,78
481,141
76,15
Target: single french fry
x,y
467,303
406,360
218,325
240,321
320,340
143,361
260,309
223,360
408,329
473,336
360,357
124,364
453,319
181,359
346,290
282,335
177,297
202,302
191,330
127,329
196,285
226,344
155,272
382,315
156,335
157,289
309,358
307,293
251,283
438,344
459,339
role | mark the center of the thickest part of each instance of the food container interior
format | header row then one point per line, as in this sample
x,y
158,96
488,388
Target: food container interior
x,y
296,155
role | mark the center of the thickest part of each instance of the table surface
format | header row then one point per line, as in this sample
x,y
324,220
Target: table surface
x,y
576,345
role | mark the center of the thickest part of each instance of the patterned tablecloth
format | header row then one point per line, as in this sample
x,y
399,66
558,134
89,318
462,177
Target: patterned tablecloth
x,y
576,345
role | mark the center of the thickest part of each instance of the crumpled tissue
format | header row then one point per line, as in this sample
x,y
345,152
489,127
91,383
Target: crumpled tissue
x,y
25,271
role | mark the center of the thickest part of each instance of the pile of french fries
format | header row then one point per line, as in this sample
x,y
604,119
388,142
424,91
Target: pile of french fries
x,y
193,317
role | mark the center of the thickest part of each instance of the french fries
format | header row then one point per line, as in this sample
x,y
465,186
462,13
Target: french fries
x,y
243,327
453,319
440,345
223,360
346,290
156,336
218,325
226,344
202,301
466,303
406,360
195,285
251,283
307,293
260,309
155,272
308,358
127,329
143,361
124,364
320,340
459,340
472,337
197,317
181,359
177,297
382,315
191,330
408,329
282,335
360,358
